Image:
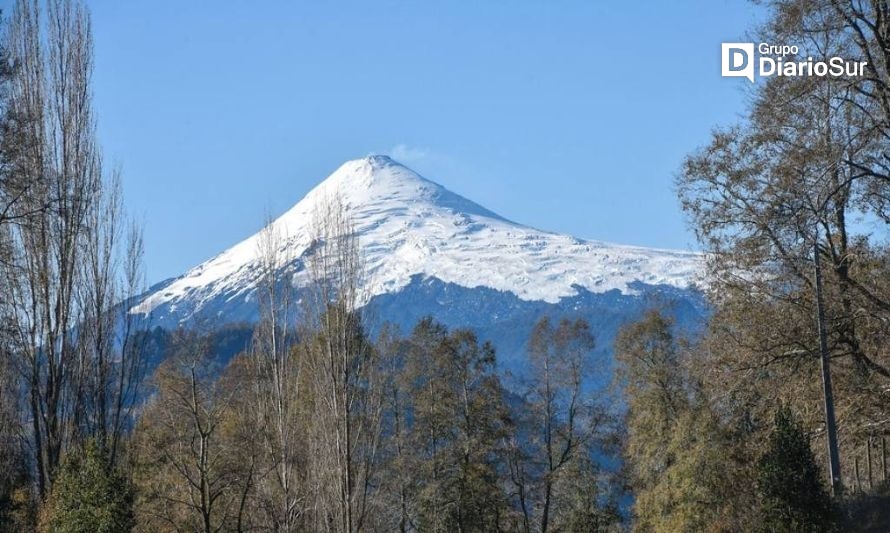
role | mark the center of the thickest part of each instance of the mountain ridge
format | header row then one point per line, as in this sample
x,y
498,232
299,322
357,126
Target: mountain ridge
x,y
408,226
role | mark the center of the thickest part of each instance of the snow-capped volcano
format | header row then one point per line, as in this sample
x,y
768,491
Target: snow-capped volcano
x,y
412,229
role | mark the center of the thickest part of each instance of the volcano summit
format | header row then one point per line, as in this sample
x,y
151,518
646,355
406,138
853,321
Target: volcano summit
x,y
429,251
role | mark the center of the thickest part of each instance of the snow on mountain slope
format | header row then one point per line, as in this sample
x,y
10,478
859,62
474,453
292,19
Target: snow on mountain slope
x,y
410,226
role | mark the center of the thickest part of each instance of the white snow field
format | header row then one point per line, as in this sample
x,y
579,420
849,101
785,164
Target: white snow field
x,y
409,226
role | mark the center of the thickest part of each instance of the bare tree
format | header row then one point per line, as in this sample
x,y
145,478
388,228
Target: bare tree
x,y
346,394
20,123
68,263
110,358
51,89
858,30
277,380
400,477
188,471
564,418
14,482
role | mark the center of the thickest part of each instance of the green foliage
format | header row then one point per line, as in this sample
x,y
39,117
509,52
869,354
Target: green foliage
x,y
677,451
792,495
89,495
457,409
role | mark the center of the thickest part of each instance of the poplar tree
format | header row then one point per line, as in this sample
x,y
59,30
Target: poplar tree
x,y
458,427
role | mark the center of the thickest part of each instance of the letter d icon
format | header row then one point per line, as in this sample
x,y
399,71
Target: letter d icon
x,y
738,60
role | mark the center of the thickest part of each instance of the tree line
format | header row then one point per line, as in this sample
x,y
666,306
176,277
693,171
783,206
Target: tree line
x,y
324,428
730,430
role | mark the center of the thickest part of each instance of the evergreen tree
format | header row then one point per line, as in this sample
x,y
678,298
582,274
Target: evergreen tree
x,y
89,495
792,495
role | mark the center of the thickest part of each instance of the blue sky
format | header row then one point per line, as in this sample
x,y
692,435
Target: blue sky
x,y
571,116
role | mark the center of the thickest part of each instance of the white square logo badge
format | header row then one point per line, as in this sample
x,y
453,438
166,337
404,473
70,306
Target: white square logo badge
x,y
738,60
